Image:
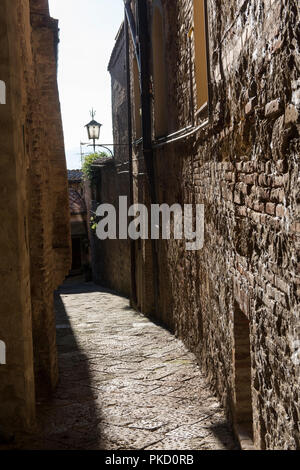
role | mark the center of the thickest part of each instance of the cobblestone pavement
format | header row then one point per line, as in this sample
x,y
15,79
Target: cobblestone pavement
x,y
125,383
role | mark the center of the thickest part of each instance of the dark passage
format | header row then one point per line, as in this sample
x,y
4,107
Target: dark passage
x,y
243,409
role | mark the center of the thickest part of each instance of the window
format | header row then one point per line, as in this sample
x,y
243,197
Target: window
x,y
200,39
2,353
2,92
137,100
159,72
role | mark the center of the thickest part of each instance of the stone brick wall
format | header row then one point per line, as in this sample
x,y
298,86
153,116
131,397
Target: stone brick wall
x,y
34,237
111,258
48,191
243,165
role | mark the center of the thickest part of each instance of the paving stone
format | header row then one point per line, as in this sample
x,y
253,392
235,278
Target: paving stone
x,y
125,383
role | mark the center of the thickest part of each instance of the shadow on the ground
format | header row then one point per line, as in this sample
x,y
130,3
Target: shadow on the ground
x,y
74,287
71,419
224,434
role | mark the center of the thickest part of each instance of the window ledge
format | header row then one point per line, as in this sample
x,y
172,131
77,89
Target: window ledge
x,y
244,437
202,110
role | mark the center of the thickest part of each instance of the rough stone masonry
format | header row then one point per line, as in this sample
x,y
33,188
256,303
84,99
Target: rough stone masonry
x,y
34,212
236,302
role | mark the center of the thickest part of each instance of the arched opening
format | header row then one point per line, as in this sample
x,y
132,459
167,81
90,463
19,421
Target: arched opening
x,y
159,72
200,38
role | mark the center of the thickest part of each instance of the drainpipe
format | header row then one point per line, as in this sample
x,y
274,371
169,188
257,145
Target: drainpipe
x,y
144,55
145,94
132,26
129,116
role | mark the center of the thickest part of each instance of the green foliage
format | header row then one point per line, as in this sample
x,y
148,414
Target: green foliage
x,y
88,162
93,224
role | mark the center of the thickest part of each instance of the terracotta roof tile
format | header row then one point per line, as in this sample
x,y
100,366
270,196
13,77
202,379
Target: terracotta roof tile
x,y
75,175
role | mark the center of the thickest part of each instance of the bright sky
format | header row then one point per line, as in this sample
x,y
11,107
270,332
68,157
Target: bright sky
x,y
87,35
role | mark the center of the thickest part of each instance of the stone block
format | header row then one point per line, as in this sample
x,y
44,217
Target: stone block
x,y
291,115
273,108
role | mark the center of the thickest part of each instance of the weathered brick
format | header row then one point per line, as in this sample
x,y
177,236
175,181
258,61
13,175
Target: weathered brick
x,y
291,114
280,210
270,208
259,206
250,179
250,106
201,292
35,240
273,108
277,195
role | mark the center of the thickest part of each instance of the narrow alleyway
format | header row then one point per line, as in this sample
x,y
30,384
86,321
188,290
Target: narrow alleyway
x,y
125,383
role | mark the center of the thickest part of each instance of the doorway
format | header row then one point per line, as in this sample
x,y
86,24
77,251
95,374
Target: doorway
x,y
242,369
76,255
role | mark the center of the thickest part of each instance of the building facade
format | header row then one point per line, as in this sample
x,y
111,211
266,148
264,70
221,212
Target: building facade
x,y
213,119
79,224
111,259
34,209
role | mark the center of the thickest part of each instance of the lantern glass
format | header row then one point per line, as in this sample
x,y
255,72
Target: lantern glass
x,y
93,129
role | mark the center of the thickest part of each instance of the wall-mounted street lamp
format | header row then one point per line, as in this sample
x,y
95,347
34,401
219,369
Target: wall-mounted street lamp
x,y
93,130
